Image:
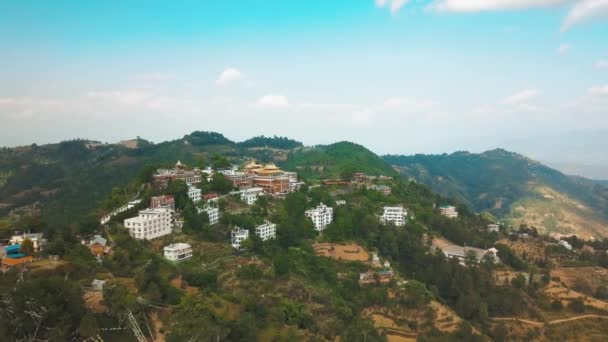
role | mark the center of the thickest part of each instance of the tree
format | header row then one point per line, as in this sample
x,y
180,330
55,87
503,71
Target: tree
x,y
88,325
220,184
27,247
577,305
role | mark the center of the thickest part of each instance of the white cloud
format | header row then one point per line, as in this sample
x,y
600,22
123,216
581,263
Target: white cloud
x,y
563,48
229,75
394,5
601,64
128,97
490,5
273,100
521,97
586,10
601,90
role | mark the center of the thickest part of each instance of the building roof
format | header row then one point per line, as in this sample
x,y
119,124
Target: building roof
x,y
98,240
13,248
176,246
16,261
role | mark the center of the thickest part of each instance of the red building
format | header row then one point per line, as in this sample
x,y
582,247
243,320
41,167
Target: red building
x,y
162,201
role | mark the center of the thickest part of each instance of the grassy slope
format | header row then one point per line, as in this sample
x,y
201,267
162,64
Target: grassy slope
x,y
510,185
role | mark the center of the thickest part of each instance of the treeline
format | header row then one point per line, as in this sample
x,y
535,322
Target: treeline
x,y
272,142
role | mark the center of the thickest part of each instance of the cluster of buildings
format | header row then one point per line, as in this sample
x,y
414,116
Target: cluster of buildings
x,y
270,178
265,231
13,255
321,216
394,215
179,172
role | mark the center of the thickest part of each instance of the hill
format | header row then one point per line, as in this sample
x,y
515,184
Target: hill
x,y
514,187
339,160
64,182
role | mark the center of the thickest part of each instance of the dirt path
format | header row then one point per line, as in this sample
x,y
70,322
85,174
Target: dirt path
x,y
557,321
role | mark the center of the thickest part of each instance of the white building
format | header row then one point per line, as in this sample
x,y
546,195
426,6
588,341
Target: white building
x,y
238,235
449,211
394,215
150,224
565,244
340,203
178,252
493,227
212,212
266,231
194,193
321,216
37,239
251,195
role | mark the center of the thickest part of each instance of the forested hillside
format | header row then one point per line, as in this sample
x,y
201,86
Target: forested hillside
x,y
510,185
65,181
339,160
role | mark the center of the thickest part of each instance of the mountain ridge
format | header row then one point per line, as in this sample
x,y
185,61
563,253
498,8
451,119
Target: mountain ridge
x,y
504,182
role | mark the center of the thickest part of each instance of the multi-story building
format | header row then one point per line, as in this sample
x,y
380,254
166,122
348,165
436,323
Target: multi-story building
x,y
269,177
237,236
150,223
178,252
251,195
449,211
162,201
266,231
493,227
385,190
179,172
395,215
212,212
360,177
37,239
194,193
321,216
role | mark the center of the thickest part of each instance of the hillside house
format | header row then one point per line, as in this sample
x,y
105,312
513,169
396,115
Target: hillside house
x,y
451,250
37,239
321,216
213,213
150,224
394,215
179,172
162,201
194,193
178,252
251,195
266,231
237,236
449,211
493,227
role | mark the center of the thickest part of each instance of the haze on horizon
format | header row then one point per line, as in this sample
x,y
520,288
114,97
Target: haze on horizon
x,y
396,76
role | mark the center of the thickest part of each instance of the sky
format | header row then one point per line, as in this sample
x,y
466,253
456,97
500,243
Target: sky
x,y
398,76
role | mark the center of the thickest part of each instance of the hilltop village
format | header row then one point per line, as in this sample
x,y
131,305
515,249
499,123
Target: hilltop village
x,y
248,251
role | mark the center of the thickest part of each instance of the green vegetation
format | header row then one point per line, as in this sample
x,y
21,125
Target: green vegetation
x,y
279,289
339,160
500,182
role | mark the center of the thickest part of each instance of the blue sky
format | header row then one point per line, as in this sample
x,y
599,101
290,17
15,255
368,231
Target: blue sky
x,y
397,76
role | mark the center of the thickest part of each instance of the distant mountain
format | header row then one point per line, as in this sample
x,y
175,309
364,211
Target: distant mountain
x,y
514,187
339,160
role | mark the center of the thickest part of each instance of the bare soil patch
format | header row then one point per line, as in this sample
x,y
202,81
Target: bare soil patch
x,y
351,252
